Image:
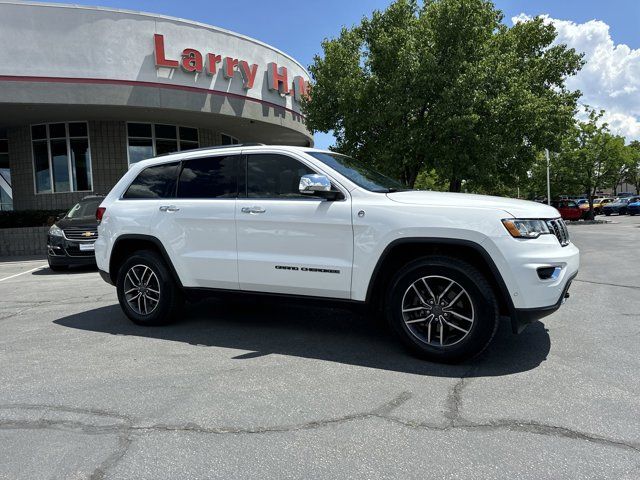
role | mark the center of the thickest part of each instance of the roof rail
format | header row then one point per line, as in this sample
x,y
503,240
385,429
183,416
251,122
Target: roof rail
x,y
215,147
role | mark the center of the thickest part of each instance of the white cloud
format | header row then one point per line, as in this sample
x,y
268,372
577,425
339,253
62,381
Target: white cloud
x,y
611,77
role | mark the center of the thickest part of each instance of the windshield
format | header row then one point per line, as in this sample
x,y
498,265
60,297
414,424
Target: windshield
x,y
84,208
359,173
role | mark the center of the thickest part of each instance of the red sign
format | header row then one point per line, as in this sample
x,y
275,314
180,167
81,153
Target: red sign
x,y
192,61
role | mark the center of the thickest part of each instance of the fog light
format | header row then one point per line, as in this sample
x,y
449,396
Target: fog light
x,y
549,273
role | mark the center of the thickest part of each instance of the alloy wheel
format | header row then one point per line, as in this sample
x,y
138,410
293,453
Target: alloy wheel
x,y
142,289
437,311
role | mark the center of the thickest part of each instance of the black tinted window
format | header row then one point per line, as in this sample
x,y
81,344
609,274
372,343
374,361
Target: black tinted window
x,y
155,182
85,208
274,176
212,177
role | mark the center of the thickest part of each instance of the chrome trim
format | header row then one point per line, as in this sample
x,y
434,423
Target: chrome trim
x,y
559,229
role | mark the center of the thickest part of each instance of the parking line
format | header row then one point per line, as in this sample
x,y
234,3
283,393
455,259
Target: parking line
x,y
22,273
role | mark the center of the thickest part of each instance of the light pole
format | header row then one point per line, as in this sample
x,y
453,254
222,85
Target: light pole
x,y
546,152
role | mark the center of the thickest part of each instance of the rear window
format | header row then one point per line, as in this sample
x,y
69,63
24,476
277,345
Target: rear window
x,y
211,177
158,181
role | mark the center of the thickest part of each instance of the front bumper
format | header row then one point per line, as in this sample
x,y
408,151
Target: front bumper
x,y
524,316
64,252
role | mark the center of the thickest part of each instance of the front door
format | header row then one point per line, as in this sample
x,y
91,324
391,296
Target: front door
x,y
289,242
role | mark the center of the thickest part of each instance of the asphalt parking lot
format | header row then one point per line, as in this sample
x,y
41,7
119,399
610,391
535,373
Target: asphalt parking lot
x,y
286,391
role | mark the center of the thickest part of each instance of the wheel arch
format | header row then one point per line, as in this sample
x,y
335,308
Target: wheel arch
x,y
403,250
129,243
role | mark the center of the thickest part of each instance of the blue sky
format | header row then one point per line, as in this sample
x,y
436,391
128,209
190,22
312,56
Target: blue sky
x,y
297,27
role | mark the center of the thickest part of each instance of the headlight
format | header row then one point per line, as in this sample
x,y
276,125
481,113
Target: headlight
x,y
525,228
55,231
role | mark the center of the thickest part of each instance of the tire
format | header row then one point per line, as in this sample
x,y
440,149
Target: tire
x,y
57,268
607,213
476,302
147,270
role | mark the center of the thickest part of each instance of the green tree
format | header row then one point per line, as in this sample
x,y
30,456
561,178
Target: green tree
x,y
633,165
591,157
444,86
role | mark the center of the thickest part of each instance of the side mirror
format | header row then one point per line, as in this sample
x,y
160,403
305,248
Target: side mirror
x,y
314,184
319,186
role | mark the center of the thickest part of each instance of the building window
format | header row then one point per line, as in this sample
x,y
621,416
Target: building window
x,y
147,140
6,194
228,140
61,157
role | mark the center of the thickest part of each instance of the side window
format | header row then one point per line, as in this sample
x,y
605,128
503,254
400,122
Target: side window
x,y
274,176
211,177
155,182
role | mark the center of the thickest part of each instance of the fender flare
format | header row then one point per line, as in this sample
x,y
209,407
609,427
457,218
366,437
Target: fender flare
x,y
145,238
501,285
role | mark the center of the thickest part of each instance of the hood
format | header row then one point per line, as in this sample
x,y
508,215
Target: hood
x,y
88,222
516,208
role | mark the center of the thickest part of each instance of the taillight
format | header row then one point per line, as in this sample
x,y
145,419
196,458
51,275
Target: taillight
x,y
100,213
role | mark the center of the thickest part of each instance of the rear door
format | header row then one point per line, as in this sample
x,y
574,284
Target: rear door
x,y
197,227
289,242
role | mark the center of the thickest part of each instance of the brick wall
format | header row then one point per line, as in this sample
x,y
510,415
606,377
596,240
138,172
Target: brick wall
x,y
23,241
108,141
208,138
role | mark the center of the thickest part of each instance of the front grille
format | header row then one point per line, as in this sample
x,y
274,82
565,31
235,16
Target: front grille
x,y
81,233
74,251
559,229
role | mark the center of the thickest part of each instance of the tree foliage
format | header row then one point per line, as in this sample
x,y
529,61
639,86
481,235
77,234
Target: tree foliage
x,y
632,172
447,87
590,158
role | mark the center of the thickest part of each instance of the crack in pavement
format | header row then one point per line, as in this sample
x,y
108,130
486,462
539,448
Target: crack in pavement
x,y
127,428
124,442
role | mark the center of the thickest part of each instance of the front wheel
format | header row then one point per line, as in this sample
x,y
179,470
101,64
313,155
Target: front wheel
x,y
147,292
442,309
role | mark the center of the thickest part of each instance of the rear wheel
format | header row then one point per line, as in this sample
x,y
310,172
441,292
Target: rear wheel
x,y
147,292
442,309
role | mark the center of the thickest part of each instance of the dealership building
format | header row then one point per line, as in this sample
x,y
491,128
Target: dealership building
x,y
85,92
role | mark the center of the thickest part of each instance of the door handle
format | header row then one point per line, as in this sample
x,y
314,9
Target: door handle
x,y
169,208
252,210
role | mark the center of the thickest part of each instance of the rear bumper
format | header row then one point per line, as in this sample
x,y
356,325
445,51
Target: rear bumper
x,y
524,316
106,277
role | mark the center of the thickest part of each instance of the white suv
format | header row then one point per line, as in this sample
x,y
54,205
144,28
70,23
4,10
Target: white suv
x,y
442,267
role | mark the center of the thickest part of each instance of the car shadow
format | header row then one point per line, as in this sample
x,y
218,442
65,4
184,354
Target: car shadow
x,y
331,334
71,270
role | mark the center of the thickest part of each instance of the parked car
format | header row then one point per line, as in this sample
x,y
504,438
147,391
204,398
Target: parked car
x,y
71,238
619,206
598,203
634,207
569,210
442,267
583,204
